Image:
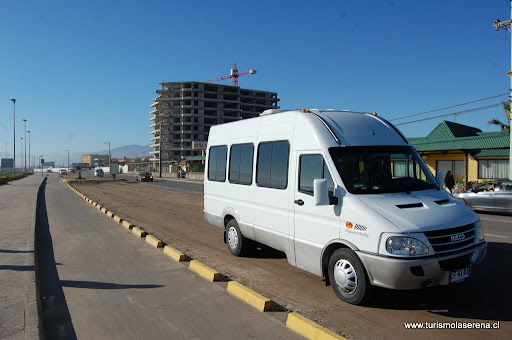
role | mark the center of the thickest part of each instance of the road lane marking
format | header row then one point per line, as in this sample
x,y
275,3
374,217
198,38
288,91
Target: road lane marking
x,y
495,235
490,219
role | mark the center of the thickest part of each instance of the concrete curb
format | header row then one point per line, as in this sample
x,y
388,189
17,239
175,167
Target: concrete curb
x,y
32,301
310,329
174,254
204,271
154,241
127,224
118,219
256,300
139,232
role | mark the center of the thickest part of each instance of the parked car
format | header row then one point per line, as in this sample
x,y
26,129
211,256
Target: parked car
x,y
63,172
344,195
182,173
492,196
98,173
144,176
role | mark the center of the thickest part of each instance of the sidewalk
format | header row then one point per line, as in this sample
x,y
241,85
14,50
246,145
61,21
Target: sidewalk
x,y
116,286
18,302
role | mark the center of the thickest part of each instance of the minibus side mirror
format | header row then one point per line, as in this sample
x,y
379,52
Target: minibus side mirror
x,y
320,192
440,178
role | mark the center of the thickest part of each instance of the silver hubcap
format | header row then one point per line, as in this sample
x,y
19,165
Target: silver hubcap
x,y
232,238
345,276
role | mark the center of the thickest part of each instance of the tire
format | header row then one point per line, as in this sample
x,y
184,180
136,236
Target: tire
x,y
348,277
236,242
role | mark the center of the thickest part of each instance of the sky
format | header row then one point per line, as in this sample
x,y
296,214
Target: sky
x,y
85,72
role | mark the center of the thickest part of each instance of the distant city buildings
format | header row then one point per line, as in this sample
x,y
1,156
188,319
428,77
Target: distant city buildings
x,y
183,113
95,160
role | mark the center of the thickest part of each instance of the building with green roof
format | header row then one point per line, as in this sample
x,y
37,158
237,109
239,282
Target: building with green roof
x,y
470,154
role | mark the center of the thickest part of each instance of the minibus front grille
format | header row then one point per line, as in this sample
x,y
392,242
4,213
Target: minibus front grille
x,y
452,240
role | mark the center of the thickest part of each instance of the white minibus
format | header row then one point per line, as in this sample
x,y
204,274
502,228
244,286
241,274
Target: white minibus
x,y
344,195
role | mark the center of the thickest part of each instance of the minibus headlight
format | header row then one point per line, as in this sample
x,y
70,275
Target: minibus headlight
x,y
479,229
399,245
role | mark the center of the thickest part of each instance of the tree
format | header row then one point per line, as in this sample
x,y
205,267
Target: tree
x,y
503,126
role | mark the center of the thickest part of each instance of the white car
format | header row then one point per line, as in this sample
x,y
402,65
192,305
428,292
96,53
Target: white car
x,y
63,172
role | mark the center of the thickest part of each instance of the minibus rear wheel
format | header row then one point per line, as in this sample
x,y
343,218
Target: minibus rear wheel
x,y
348,277
237,243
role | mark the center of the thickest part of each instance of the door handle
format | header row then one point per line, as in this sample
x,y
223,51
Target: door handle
x,y
299,202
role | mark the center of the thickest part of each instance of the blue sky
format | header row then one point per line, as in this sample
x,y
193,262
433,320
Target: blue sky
x,y
85,72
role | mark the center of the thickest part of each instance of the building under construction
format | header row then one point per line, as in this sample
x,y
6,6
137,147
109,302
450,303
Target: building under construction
x,y
183,113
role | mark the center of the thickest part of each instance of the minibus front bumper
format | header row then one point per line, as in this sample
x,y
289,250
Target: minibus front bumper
x,y
405,273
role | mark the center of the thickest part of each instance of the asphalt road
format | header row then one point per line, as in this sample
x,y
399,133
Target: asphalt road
x,y
498,228
170,184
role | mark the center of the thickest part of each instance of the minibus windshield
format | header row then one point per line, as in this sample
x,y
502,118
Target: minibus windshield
x,y
382,169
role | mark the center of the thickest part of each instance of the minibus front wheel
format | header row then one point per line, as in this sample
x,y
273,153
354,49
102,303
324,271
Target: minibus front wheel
x,y
237,243
348,277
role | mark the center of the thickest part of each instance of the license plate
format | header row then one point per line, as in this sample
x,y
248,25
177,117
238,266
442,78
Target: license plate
x,y
459,275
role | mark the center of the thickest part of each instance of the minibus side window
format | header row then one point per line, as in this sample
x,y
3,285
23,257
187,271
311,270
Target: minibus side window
x,y
217,163
240,163
313,167
272,164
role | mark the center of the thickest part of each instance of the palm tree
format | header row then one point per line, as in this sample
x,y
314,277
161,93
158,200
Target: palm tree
x,y
503,126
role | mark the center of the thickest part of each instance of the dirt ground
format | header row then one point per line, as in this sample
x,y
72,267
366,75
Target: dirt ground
x,y
177,219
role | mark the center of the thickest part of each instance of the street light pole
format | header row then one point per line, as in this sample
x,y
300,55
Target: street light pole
x,y
29,149
25,122
68,158
109,158
14,146
21,153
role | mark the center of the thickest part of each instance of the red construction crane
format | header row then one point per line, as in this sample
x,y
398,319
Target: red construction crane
x,y
234,75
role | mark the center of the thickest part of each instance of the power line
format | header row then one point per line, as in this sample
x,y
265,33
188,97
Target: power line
x,y
449,107
451,114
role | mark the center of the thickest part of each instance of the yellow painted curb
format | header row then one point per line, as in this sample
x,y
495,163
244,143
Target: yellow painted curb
x,y
176,255
99,206
127,224
205,271
118,219
105,210
250,296
139,232
310,329
154,241
110,214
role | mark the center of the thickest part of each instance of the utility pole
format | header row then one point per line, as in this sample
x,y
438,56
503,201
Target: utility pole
x,y
499,24
14,145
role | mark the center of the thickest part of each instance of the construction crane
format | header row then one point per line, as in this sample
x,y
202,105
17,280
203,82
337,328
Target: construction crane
x,y
233,75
